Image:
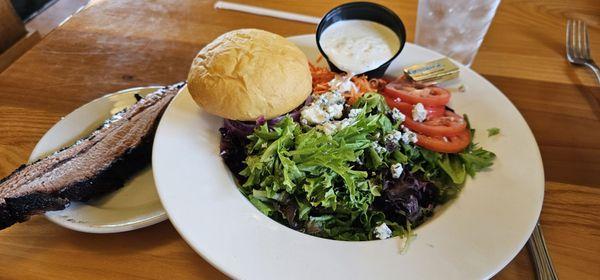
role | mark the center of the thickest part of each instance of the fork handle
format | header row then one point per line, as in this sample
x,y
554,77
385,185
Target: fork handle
x,y
595,69
594,99
540,256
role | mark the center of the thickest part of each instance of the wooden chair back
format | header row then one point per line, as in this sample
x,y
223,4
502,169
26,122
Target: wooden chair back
x,y
11,27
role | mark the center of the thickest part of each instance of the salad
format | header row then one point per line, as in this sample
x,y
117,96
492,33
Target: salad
x,y
359,160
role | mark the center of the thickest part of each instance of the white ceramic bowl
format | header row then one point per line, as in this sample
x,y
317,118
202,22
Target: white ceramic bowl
x,y
472,238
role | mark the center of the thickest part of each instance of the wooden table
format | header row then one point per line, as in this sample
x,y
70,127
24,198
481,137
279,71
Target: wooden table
x,y
113,45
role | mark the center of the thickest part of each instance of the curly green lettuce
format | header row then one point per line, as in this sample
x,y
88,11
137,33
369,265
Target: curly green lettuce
x,y
326,185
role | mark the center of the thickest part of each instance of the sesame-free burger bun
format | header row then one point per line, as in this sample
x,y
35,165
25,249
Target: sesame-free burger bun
x,y
248,73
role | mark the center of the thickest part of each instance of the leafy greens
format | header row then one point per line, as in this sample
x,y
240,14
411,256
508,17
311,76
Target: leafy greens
x,y
339,185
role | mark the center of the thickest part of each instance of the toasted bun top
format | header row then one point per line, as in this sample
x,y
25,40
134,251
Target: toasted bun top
x,y
248,73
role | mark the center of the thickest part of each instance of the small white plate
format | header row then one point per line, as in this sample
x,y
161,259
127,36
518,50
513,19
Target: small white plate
x,y
135,205
474,236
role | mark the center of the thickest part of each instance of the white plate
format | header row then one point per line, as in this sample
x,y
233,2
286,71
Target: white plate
x,y
134,206
472,238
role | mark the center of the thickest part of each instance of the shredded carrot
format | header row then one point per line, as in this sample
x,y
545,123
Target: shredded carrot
x,y
319,58
321,77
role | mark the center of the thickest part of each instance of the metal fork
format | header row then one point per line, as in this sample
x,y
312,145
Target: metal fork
x,y
578,46
539,254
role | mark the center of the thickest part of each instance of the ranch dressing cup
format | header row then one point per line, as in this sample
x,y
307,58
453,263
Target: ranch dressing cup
x,y
358,46
360,38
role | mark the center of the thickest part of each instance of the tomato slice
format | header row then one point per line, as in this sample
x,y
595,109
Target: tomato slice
x,y
434,111
451,144
406,108
414,93
447,125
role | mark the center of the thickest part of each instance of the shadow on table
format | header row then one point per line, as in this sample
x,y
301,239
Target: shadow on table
x,y
558,46
159,238
143,239
591,94
148,253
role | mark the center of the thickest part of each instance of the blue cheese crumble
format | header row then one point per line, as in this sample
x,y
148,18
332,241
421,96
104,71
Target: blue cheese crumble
x,y
409,136
419,114
393,138
313,115
397,116
355,112
382,231
378,148
396,170
326,107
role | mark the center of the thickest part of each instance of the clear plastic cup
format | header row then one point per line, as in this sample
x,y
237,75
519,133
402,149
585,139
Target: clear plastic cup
x,y
454,28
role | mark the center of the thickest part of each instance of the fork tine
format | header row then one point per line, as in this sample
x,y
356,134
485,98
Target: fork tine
x,y
569,39
578,39
586,42
573,39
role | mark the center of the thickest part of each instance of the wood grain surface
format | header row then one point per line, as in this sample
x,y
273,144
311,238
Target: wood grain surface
x,y
112,45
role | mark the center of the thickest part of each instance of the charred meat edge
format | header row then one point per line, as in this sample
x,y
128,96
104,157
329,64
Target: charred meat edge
x,y
16,205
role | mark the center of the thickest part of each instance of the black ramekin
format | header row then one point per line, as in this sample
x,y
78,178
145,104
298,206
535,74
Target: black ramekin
x,y
365,11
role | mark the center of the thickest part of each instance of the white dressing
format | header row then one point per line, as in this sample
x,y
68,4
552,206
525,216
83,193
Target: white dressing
x,y
357,46
342,83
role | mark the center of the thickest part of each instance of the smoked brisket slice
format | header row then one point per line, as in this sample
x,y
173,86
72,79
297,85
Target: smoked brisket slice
x,y
94,165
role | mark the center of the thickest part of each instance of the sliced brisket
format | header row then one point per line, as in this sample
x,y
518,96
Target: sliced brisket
x,y
94,165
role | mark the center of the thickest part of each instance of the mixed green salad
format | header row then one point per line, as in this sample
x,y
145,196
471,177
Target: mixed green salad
x,y
358,174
